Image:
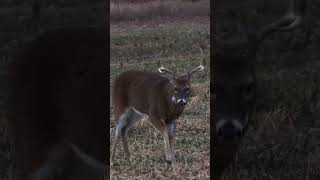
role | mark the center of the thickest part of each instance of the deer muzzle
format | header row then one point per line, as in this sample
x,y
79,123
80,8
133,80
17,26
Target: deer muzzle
x,y
228,129
182,102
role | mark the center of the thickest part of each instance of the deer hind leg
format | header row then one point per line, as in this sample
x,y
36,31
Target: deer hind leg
x,y
133,117
122,122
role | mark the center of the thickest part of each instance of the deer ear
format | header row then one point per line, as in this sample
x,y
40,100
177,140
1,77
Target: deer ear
x,y
172,80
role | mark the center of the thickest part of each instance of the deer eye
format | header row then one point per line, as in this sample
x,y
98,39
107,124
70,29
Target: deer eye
x,y
176,89
186,89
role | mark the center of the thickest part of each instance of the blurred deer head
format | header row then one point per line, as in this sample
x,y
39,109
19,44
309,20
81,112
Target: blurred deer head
x,y
234,85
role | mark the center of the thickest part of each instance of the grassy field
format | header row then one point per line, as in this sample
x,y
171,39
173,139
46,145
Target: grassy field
x,y
126,10
284,140
176,43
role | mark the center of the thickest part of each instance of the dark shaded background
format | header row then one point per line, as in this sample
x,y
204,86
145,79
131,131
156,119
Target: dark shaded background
x,y
19,25
284,140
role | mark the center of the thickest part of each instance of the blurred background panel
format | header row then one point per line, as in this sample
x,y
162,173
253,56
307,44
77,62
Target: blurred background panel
x,y
22,21
283,142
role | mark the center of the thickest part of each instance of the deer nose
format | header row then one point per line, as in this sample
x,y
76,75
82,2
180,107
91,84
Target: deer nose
x,y
181,102
228,132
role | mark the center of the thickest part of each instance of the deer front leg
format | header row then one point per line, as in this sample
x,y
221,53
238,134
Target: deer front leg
x,y
171,131
167,145
165,132
168,136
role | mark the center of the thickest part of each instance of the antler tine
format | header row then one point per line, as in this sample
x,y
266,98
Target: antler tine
x,y
297,10
201,66
162,69
203,63
292,19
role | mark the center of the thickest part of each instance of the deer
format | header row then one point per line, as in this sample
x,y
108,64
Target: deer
x,y
162,99
58,104
234,85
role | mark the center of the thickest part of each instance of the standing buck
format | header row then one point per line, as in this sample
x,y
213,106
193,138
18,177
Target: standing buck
x,y
234,85
137,93
58,106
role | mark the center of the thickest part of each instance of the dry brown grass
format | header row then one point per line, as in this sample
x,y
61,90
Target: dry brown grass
x,y
124,11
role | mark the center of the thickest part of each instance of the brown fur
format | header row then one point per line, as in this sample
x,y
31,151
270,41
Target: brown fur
x,y
128,91
58,93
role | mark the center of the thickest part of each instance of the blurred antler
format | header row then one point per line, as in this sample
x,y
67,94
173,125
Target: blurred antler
x,y
200,67
162,69
292,19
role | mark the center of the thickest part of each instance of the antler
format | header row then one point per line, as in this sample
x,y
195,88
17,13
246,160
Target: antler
x,y
290,20
200,67
162,69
